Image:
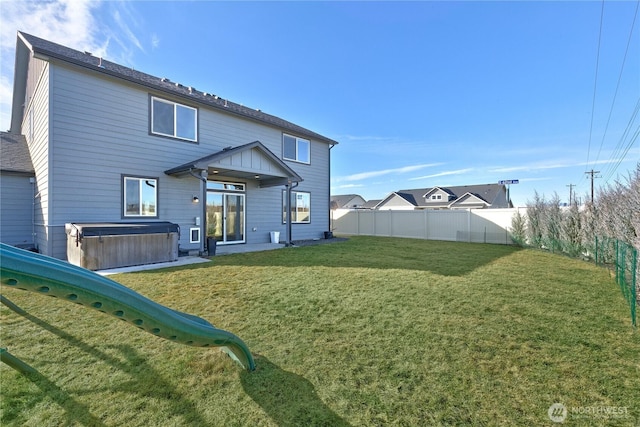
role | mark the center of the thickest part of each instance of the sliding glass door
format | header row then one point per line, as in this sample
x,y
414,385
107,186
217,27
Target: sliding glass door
x,y
226,212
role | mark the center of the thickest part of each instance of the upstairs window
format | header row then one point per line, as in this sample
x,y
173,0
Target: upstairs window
x,y
436,197
296,149
140,197
173,120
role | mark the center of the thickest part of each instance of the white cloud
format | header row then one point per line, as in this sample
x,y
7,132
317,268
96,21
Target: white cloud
x,y
364,138
346,186
446,173
373,174
68,22
6,90
549,165
528,168
126,30
535,179
78,24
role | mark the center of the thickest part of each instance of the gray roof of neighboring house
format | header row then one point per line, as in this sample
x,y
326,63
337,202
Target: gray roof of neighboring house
x,y
486,192
14,154
340,201
371,203
100,65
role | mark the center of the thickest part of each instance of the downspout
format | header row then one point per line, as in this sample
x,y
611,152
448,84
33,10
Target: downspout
x,y
203,197
32,181
330,219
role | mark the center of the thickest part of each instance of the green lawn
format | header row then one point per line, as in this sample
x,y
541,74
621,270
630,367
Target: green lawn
x,y
371,331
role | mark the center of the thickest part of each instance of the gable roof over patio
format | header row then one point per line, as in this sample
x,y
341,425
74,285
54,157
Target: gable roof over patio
x,y
248,161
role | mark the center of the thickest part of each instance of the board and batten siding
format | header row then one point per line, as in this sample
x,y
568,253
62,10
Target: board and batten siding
x,y
99,131
16,199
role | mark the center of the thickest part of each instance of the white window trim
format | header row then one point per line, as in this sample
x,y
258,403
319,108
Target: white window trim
x,y
298,139
175,120
124,196
293,207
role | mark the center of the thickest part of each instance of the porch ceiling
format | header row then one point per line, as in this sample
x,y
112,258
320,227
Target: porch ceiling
x,y
249,162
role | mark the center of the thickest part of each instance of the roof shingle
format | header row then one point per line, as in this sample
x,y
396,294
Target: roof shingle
x,y
485,192
14,154
87,60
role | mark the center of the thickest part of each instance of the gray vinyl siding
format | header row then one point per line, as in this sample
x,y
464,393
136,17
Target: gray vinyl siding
x,y
16,204
34,74
396,202
35,128
100,131
316,182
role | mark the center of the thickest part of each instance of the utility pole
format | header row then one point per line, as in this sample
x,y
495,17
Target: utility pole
x,y
592,173
570,193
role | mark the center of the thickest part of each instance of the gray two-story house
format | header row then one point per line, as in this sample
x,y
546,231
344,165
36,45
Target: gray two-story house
x,y
114,145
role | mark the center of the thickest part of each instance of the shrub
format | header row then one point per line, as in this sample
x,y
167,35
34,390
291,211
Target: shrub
x,y
519,229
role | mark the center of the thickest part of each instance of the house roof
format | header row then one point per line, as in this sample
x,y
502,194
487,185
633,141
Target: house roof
x,y
370,204
485,192
407,195
469,198
87,60
14,154
222,162
342,200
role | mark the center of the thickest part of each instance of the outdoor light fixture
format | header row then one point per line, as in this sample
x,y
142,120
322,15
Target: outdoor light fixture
x,y
196,199
257,176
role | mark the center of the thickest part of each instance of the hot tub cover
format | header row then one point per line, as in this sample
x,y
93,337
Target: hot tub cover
x,y
118,229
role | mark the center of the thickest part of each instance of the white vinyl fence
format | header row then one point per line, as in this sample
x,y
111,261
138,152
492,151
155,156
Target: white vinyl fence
x,y
472,225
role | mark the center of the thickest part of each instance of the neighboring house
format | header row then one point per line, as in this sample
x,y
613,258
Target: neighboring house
x,y
371,204
17,195
347,201
487,196
110,144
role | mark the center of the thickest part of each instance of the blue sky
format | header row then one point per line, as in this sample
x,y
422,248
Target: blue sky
x,y
418,94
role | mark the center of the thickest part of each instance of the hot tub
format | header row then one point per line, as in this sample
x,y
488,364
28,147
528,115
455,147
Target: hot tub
x,y
100,246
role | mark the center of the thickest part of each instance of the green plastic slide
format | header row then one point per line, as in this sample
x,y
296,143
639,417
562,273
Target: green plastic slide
x,y
48,276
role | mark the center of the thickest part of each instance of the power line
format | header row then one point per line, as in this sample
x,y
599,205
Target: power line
x,y
595,83
621,150
615,95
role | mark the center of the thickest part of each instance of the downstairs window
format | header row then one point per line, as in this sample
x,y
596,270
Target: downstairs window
x,y
140,197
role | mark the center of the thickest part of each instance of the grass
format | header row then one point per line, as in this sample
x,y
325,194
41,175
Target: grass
x,y
372,331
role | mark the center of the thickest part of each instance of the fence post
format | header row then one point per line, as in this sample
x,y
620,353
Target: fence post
x,y
618,277
426,224
634,289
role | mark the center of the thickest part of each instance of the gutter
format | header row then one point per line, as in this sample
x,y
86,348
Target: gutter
x,y
226,105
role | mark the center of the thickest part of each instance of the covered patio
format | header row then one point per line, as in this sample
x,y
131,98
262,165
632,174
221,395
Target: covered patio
x,y
249,163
